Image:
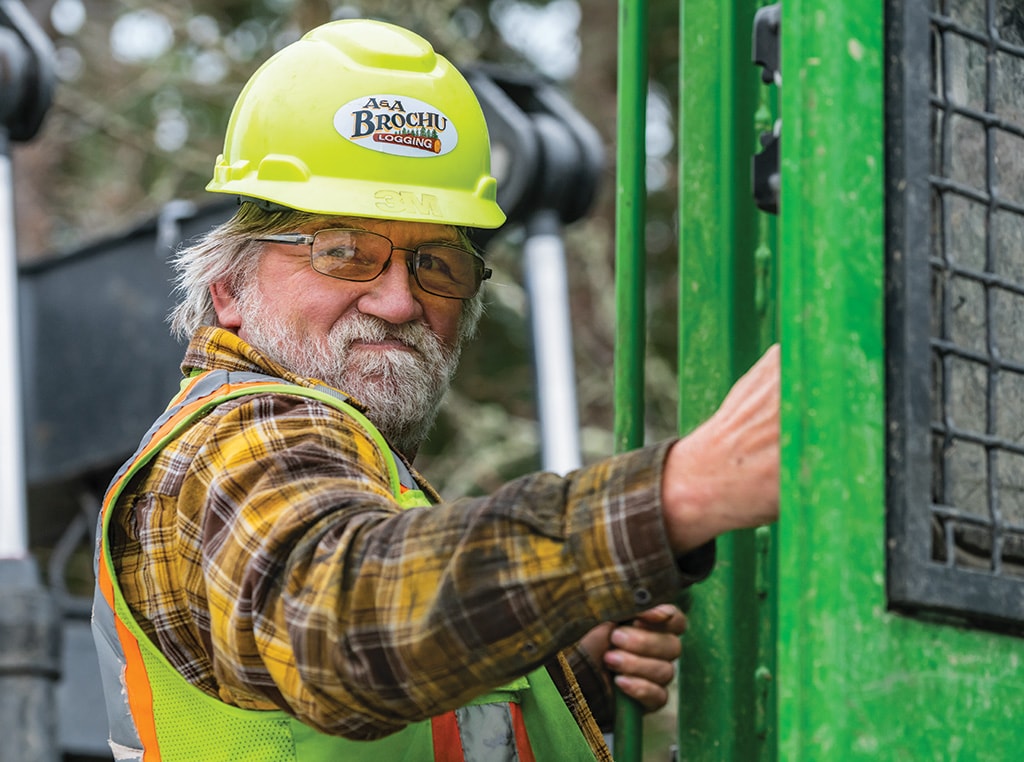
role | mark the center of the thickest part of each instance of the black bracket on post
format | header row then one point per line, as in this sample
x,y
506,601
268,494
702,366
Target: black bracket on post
x,y
767,54
26,71
546,156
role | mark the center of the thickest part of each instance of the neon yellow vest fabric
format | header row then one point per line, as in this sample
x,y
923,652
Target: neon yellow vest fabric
x,y
191,725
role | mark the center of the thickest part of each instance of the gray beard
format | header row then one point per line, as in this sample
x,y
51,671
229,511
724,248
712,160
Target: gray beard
x,y
401,390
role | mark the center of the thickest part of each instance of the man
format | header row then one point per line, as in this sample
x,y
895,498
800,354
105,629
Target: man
x,y
275,581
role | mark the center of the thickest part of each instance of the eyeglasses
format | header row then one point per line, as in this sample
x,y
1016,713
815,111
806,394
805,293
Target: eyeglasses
x,y
360,255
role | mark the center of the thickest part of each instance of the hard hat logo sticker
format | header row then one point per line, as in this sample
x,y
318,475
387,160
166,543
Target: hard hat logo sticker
x,y
397,125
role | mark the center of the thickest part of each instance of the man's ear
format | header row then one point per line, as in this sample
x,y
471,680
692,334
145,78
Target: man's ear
x,y
225,304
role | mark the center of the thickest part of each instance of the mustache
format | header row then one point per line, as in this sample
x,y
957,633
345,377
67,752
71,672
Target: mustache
x,y
368,328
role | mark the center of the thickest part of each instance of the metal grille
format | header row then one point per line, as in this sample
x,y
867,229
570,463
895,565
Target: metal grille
x,y
956,309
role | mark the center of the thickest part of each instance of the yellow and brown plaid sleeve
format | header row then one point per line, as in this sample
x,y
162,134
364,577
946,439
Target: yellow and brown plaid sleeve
x,y
265,555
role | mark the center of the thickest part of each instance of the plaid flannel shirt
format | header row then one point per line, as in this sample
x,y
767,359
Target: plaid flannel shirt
x,y
263,552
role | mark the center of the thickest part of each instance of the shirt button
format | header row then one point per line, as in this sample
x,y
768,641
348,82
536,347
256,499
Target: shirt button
x,y
530,647
642,596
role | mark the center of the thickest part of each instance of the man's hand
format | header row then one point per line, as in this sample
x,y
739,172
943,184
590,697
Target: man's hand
x,y
725,474
640,654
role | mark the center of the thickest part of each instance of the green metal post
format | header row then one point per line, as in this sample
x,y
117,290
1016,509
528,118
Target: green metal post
x,y
832,535
630,270
726,670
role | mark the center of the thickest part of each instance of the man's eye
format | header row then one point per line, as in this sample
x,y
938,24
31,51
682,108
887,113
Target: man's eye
x,y
345,254
436,264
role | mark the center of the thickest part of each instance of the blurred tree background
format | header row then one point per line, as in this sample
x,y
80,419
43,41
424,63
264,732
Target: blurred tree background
x,y
142,100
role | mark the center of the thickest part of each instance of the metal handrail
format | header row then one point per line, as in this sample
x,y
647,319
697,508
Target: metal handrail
x,y
630,270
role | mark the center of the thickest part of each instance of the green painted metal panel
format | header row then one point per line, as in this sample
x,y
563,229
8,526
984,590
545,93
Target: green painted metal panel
x,y
855,680
725,678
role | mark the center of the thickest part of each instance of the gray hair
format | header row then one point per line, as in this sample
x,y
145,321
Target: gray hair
x,y
231,253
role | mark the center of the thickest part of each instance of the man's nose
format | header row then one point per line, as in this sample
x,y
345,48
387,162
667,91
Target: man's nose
x,y
392,295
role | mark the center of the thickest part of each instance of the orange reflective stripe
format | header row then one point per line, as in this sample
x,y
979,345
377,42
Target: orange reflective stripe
x,y
137,690
522,739
447,741
140,695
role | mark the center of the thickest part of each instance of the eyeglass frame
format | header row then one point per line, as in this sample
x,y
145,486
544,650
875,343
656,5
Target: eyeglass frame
x,y
307,239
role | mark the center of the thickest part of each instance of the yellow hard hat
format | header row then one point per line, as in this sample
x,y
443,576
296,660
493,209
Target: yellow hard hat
x,y
361,118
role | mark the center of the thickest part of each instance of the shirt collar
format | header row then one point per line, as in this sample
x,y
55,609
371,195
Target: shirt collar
x,y
213,348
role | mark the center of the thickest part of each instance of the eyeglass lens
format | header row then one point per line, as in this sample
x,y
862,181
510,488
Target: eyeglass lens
x,y
359,255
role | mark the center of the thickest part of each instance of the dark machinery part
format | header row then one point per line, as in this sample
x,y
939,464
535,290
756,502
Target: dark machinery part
x,y
765,177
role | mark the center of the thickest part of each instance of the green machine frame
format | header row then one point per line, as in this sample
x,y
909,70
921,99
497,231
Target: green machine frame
x,y
797,650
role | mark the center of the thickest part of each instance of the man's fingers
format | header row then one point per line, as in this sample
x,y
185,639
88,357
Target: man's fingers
x,y
653,670
644,642
597,641
649,695
643,653
663,618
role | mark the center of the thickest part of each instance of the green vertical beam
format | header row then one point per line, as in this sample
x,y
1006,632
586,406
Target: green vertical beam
x,y
722,714
832,535
630,272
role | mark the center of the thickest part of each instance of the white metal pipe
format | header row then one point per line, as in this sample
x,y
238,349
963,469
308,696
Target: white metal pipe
x,y
13,514
548,291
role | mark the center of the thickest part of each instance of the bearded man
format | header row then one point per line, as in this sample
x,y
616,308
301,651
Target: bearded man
x,y
275,580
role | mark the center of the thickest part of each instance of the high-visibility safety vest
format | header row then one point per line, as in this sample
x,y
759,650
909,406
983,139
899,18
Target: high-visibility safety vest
x,y
155,714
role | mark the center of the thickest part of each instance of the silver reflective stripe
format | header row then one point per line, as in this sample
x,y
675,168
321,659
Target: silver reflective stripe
x,y
124,736
124,754
404,474
486,733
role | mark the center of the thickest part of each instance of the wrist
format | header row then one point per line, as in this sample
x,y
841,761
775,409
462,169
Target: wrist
x,y
689,495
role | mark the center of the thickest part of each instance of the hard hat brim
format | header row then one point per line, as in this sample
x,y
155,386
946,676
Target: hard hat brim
x,y
357,198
